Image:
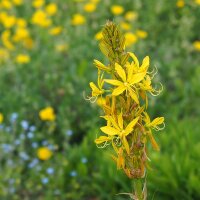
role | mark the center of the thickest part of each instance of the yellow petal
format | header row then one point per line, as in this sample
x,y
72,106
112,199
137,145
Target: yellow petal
x,y
145,63
101,66
102,139
126,145
113,82
135,78
130,69
130,126
133,95
120,71
153,142
133,56
115,125
109,130
117,91
156,121
120,120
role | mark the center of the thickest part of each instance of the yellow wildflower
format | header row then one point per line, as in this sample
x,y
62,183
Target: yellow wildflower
x,y
78,19
196,45
8,20
6,4
5,36
47,114
51,9
22,58
28,43
197,2
61,47
4,54
130,38
55,31
101,101
125,26
131,16
98,35
1,118
117,9
40,18
21,22
44,153
180,3
90,7
17,2
38,3
20,34
141,34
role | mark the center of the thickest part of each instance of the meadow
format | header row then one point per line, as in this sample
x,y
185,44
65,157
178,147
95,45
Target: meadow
x,y
48,128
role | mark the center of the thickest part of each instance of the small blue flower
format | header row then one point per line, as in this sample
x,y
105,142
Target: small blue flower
x,y
50,170
7,148
51,147
17,142
22,136
69,132
12,190
8,129
33,163
13,117
1,126
10,162
44,142
24,155
30,135
11,181
84,160
45,180
34,145
73,173
32,128
24,124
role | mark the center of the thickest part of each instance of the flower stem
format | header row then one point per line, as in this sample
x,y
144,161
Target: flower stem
x,y
138,186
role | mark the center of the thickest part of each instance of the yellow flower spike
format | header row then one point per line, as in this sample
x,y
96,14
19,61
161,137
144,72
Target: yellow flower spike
x,y
128,125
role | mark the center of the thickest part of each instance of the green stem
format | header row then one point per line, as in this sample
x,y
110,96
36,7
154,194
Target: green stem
x,y
138,186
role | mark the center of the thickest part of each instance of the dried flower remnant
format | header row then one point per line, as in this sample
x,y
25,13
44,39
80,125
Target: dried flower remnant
x,y
128,126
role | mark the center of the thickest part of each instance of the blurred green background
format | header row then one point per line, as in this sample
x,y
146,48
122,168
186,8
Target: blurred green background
x,y
47,127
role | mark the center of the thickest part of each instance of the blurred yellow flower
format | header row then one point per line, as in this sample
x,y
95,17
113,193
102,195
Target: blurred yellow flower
x,y
131,16
40,18
78,19
7,20
21,22
61,47
125,26
38,3
180,3
6,4
197,2
17,2
4,54
51,9
20,34
117,10
44,153
5,36
22,59
90,7
47,114
196,45
1,118
98,36
141,34
28,43
130,38
55,31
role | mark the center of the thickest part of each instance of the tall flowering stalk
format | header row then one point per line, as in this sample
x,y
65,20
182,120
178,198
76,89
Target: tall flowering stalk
x,y
124,101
